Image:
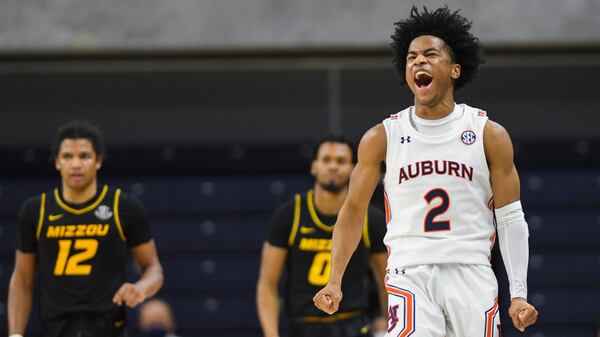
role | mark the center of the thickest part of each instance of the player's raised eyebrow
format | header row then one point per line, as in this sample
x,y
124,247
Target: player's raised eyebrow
x,y
415,52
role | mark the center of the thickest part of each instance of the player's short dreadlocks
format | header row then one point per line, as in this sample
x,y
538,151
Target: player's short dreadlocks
x,y
452,28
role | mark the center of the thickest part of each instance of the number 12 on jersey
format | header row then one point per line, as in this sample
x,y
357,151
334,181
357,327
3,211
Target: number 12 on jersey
x,y
431,224
67,264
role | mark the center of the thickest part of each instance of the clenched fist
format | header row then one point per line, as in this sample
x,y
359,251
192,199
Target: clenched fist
x,y
522,313
328,299
129,294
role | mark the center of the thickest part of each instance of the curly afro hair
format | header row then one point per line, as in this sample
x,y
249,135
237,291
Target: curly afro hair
x,y
452,28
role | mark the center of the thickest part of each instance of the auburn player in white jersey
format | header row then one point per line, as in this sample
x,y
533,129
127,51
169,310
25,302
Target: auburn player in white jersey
x,y
447,168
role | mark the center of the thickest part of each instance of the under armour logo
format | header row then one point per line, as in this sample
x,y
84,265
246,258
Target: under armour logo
x,y
404,139
400,271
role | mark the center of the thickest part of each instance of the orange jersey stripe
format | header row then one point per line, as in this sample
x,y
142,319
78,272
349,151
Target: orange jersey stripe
x,y
489,319
388,214
492,244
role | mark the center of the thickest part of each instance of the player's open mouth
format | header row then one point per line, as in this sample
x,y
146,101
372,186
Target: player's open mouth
x,y
423,79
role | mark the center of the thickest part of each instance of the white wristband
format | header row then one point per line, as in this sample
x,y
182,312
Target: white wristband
x,y
15,335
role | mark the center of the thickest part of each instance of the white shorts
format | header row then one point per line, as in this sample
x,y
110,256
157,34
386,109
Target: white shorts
x,y
445,300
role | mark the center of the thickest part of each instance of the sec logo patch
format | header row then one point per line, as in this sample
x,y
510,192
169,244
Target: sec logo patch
x,y
468,137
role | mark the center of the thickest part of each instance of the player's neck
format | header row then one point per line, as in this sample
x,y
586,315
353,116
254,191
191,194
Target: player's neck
x,y
79,196
437,111
329,203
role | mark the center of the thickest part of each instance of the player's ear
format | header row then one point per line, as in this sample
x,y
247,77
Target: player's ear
x,y
455,72
56,163
313,168
99,163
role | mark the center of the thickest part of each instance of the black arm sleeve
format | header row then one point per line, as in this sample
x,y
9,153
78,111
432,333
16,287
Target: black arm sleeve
x,y
135,220
27,225
377,230
281,225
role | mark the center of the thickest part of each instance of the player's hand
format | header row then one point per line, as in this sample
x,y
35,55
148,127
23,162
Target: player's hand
x,y
129,294
380,324
522,313
328,299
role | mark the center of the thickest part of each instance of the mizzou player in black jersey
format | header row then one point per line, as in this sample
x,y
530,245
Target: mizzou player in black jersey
x,y
299,238
78,236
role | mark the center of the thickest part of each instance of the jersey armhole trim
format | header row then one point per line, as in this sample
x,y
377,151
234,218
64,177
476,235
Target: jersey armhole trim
x,y
366,239
117,218
485,163
297,204
388,135
41,218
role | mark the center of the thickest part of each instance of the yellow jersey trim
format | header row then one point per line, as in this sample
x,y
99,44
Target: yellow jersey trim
x,y
83,210
321,225
313,213
365,237
296,220
327,319
41,219
117,218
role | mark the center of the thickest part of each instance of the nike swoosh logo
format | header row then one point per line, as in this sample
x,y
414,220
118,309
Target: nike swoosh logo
x,y
306,230
119,324
53,217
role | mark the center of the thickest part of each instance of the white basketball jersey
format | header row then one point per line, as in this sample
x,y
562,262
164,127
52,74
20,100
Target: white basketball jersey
x,y
438,192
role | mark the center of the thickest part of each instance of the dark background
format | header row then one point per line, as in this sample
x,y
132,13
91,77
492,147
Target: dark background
x,y
209,111
213,143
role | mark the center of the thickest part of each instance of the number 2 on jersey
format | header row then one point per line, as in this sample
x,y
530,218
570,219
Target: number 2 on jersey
x,y
72,265
432,225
